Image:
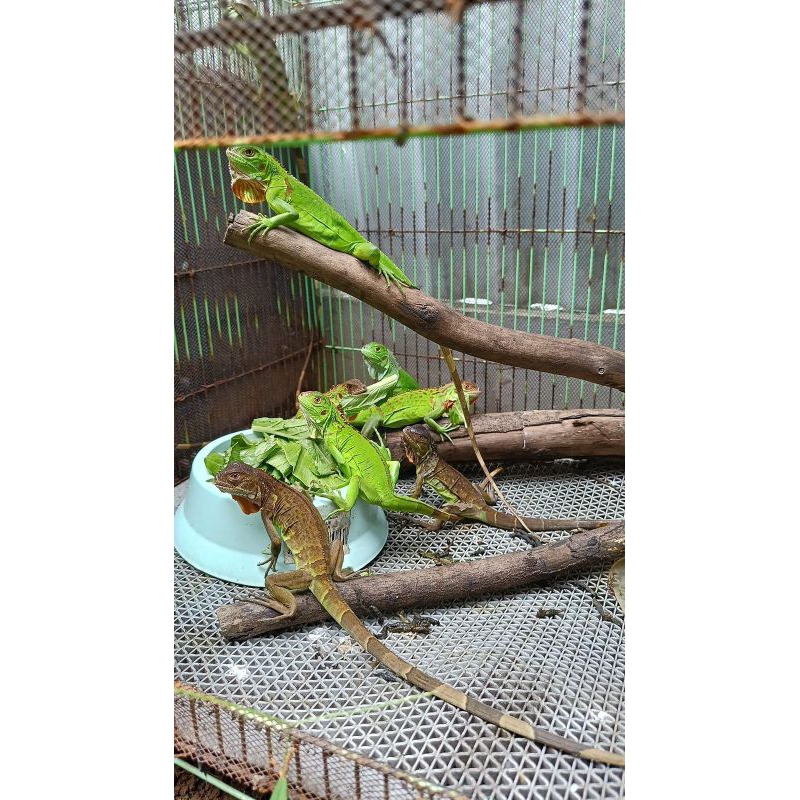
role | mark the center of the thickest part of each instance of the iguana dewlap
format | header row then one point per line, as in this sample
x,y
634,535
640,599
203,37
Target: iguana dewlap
x,y
319,564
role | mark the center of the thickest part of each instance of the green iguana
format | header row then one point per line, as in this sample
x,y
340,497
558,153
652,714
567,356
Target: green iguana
x,y
319,564
464,499
354,396
419,405
380,362
361,461
257,176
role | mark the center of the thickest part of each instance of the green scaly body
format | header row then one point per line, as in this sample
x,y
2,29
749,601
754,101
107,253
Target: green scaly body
x,y
319,564
419,405
380,362
257,176
466,500
359,460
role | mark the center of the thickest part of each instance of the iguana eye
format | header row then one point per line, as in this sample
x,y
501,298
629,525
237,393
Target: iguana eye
x,y
249,152
316,399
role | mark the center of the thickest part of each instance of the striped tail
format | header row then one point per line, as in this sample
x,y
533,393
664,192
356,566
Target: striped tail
x,y
330,599
511,523
388,266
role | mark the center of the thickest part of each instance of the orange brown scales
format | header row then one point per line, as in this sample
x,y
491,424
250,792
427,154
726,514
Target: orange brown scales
x,y
319,565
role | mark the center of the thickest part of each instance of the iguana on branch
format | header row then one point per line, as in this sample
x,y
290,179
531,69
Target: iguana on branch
x,y
462,497
257,176
380,362
319,564
419,405
355,397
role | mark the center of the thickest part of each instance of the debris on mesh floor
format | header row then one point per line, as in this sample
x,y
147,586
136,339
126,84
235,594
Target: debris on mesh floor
x,y
562,671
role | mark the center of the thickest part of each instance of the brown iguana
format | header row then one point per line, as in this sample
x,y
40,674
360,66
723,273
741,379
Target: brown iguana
x,y
464,499
319,564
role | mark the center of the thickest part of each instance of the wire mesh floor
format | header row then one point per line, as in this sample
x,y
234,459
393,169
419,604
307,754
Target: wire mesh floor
x,y
563,672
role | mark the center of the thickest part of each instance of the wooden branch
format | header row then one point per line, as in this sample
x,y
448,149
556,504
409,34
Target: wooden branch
x,y
433,586
532,435
430,318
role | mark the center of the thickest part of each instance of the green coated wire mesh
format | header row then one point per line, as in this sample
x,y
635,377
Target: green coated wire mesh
x,y
524,228
248,750
520,223
273,71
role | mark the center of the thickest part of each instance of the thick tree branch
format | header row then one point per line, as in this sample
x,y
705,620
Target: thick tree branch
x,y
532,435
432,319
427,588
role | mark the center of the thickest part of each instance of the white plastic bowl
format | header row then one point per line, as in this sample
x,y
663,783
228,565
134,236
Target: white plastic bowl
x,y
213,534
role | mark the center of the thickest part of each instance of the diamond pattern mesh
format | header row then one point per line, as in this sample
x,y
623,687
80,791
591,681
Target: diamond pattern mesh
x,y
277,71
564,673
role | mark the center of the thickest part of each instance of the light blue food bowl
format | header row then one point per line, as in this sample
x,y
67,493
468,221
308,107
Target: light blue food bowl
x,y
213,534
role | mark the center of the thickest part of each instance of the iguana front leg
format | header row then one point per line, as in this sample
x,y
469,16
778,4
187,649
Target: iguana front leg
x,y
265,224
371,425
353,486
275,542
434,425
418,484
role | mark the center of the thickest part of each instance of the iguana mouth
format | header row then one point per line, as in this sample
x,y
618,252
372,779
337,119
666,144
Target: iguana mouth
x,y
248,190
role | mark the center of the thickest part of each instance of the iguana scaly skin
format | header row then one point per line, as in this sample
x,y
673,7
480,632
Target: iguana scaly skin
x,y
359,460
257,176
319,564
341,390
381,362
355,397
464,499
419,405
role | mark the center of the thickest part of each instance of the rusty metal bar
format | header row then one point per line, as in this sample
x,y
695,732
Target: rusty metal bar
x,y
571,120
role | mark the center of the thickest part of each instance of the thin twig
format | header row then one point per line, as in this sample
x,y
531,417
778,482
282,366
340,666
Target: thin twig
x,y
451,365
303,371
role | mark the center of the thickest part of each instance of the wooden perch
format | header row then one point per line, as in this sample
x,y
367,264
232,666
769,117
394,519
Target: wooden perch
x,y
433,586
430,318
532,435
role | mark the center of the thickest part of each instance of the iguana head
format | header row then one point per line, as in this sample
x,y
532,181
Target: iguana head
x,y
318,410
379,358
417,442
244,483
471,392
251,169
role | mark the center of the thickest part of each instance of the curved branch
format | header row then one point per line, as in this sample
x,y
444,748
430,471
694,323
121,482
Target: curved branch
x,y
429,317
433,586
531,436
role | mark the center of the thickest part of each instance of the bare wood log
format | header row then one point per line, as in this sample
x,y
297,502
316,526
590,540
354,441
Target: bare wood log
x,y
430,587
532,435
429,317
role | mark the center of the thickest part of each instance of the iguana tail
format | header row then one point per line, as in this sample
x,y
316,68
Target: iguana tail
x,y
330,599
510,523
387,267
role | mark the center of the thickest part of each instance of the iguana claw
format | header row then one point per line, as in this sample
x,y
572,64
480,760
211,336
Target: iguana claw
x,y
263,224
